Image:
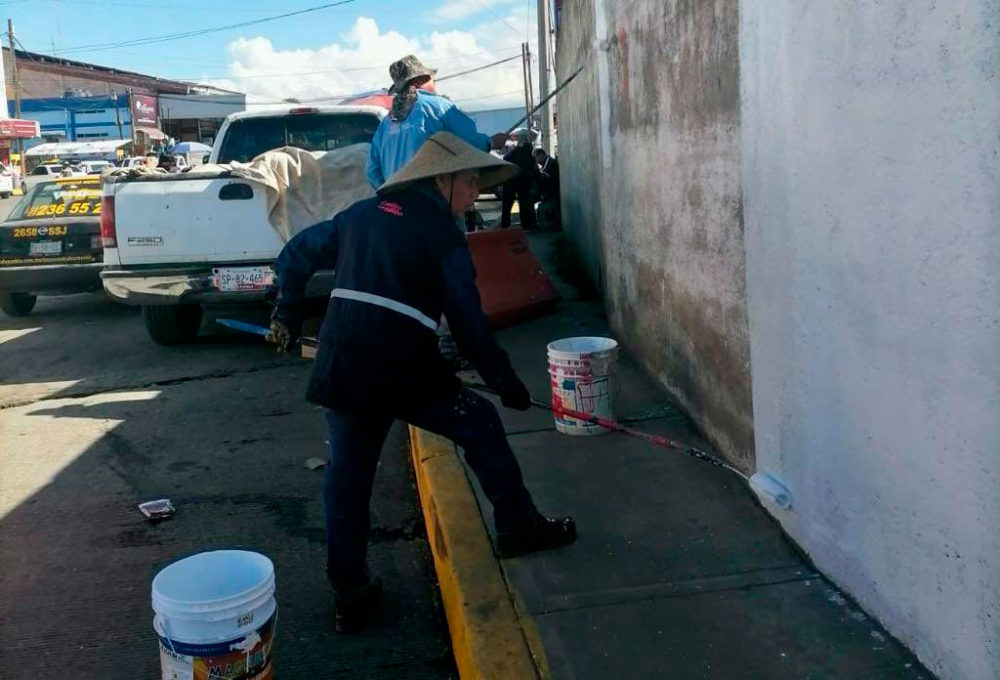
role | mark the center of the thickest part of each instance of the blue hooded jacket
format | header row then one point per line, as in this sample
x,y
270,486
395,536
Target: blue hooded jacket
x,y
395,142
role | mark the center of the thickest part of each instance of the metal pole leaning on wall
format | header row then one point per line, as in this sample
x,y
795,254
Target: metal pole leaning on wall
x,y
542,103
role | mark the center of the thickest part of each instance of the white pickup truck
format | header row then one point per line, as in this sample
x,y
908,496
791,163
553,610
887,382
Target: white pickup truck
x,y
175,243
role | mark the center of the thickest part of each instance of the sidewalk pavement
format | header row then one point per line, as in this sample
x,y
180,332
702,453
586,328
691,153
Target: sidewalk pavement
x,y
677,571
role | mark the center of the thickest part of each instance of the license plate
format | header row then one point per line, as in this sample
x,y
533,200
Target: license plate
x,y
242,279
45,248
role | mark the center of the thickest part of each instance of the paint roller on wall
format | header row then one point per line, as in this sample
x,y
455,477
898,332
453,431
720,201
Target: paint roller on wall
x,y
766,486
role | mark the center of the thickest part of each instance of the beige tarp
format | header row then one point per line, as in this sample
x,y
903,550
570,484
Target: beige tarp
x,y
302,187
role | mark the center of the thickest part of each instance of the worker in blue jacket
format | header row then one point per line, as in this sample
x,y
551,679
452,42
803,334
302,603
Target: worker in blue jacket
x,y
417,113
400,262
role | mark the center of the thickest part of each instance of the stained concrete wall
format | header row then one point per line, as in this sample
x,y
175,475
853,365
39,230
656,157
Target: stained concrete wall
x,y
872,203
649,156
579,148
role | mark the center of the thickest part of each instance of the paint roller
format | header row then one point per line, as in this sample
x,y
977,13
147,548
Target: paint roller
x,y
765,485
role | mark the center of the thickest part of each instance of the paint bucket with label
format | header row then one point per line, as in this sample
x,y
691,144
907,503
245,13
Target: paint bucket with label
x,y
215,616
580,374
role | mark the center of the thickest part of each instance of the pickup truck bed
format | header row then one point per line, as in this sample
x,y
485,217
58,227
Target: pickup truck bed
x,y
175,242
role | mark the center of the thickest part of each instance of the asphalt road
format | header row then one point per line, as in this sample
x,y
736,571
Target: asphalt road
x,y
95,419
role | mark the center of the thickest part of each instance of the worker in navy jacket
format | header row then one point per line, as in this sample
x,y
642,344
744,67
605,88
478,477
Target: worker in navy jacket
x,y
400,262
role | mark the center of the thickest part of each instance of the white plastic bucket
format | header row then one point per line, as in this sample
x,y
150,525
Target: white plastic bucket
x,y
215,616
580,374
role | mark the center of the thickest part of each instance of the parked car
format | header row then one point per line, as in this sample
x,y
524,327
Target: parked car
x,y
132,162
6,181
94,167
173,163
43,173
51,243
174,243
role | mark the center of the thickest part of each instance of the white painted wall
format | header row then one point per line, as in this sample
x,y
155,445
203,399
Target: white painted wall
x,y
870,157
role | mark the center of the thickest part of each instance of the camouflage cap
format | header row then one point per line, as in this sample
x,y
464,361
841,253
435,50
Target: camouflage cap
x,y
405,70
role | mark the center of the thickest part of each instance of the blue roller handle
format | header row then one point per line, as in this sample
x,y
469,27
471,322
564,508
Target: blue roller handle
x,y
244,327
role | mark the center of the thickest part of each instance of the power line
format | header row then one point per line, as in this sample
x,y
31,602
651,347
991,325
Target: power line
x,y
169,6
334,70
490,10
283,74
489,96
478,68
151,40
447,77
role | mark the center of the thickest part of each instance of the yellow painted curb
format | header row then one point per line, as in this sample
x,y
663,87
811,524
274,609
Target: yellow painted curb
x,y
486,635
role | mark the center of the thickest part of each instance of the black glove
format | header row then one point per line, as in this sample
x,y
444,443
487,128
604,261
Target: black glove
x,y
516,397
284,333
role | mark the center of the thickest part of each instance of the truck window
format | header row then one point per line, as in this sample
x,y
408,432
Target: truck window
x,y
247,138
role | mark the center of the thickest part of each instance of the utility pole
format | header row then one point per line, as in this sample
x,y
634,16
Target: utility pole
x,y
17,90
525,69
131,118
118,117
531,84
543,73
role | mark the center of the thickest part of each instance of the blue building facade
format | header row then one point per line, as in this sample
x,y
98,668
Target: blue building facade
x,y
78,119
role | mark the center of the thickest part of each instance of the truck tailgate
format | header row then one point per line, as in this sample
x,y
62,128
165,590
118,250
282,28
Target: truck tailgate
x,y
214,220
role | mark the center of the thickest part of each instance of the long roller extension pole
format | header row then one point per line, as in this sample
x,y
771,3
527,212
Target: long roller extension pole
x,y
655,439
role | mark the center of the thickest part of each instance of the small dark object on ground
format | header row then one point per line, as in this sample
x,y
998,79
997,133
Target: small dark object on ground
x,y
158,510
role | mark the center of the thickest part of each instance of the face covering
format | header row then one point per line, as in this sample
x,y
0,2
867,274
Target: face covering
x,y
403,102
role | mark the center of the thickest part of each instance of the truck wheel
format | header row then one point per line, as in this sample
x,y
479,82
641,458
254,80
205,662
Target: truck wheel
x,y
4,194
172,324
17,304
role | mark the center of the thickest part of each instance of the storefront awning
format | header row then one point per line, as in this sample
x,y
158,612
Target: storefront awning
x,y
97,149
151,132
16,128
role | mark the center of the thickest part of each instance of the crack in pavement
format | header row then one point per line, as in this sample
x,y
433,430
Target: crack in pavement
x,y
166,382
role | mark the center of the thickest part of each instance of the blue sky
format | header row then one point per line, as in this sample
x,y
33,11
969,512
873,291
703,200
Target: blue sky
x,y
328,52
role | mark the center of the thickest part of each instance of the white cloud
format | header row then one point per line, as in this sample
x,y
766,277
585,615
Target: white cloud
x,y
359,61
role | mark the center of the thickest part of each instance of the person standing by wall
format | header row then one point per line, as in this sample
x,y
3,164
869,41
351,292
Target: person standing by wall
x,y
549,214
522,186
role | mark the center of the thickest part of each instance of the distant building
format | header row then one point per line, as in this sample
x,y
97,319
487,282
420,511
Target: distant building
x,y
500,120
75,101
496,120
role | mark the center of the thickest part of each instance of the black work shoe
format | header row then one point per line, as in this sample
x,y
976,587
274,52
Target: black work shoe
x,y
543,533
352,609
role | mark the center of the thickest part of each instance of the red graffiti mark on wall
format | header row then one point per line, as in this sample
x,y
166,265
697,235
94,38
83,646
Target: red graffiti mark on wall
x,y
623,75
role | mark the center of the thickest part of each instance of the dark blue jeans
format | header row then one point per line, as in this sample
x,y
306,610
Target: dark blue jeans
x,y
356,442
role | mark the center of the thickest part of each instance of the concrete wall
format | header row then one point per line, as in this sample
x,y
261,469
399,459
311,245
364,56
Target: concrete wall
x,y
579,152
872,203
649,150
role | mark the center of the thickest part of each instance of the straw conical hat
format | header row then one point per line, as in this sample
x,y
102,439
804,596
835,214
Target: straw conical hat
x,y
442,154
